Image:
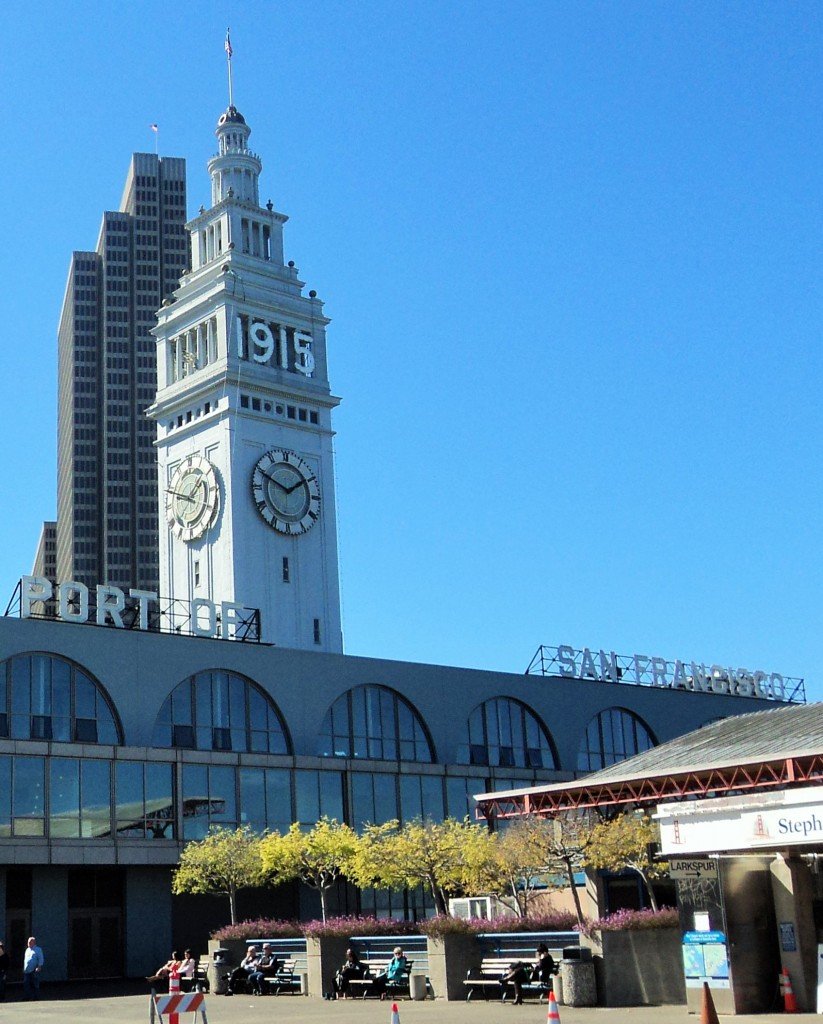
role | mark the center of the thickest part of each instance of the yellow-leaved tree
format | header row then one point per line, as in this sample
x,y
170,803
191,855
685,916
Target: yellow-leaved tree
x,y
441,856
222,863
628,841
522,865
318,857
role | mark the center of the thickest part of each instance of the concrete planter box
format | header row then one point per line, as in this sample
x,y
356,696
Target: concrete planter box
x,y
450,958
236,947
324,956
236,951
642,967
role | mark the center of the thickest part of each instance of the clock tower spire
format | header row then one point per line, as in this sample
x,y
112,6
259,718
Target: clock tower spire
x,y
243,411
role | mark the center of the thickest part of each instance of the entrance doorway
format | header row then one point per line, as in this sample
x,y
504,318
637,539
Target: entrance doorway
x,y
95,897
18,918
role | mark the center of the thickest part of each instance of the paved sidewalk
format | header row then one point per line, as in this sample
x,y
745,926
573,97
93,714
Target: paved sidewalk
x,y
63,1004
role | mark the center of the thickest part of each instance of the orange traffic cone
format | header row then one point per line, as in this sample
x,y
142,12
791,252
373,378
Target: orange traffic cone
x,y
708,1014
789,1002
395,1014
554,1013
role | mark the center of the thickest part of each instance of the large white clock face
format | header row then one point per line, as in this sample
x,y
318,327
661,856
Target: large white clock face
x,y
192,498
286,492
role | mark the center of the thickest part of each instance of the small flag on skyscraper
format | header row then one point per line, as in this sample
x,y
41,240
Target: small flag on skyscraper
x,y
154,127
229,50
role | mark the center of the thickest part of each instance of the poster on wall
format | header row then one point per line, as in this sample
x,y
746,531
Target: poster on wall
x,y
706,959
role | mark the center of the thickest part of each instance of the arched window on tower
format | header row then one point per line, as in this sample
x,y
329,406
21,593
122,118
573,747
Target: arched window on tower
x,y
612,736
506,733
45,697
217,710
375,722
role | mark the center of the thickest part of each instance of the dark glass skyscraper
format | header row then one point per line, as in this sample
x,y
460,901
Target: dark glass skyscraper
x,y
107,517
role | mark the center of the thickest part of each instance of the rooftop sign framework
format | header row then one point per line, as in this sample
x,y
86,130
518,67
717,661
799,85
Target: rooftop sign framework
x,y
603,666
36,597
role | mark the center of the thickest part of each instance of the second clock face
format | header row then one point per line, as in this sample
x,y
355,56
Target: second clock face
x,y
286,492
193,498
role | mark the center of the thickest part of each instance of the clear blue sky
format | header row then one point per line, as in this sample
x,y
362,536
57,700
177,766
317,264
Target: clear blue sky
x,y
572,254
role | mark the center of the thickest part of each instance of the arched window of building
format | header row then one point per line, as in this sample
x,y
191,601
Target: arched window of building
x,y
45,697
505,732
218,710
612,736
374,722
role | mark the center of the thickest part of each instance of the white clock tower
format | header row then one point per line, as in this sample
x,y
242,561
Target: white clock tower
x,y
243,411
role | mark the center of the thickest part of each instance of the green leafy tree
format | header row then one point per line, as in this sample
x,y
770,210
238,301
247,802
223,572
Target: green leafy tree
x,y
628,841
224,862
520,865
317,857
567,839
441,856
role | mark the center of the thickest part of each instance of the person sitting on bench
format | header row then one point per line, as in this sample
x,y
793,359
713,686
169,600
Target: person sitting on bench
x,y
398,967
239,980
520,974
351,968
163,972
266,967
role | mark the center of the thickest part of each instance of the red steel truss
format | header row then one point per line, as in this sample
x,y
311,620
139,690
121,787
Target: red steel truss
x,y
711,781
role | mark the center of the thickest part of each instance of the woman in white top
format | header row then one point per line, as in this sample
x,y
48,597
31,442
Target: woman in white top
x,y
187,965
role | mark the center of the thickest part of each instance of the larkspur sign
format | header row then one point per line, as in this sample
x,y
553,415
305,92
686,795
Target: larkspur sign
x,y
112,606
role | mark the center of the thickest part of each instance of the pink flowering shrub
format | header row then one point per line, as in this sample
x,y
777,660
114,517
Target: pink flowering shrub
x,y
632,920
263,928
556,921
345,927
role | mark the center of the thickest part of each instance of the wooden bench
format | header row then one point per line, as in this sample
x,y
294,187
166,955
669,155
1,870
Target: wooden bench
x,y
488,978
376,966
198,983
282,978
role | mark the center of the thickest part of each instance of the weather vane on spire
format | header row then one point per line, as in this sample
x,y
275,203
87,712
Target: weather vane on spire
x,y
229,52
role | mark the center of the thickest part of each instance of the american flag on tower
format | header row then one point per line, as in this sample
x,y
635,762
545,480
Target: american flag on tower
x,y
229,50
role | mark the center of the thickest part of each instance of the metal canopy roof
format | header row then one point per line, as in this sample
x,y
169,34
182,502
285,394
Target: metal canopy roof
x,y
773,748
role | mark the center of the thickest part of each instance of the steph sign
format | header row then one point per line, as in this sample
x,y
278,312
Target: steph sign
x,y
750,822
111,606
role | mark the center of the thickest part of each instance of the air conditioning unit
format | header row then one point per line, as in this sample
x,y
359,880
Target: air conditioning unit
x,y
483,907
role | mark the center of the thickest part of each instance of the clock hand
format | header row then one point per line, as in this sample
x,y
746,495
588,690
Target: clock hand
x,y
189,497
276,482
299,483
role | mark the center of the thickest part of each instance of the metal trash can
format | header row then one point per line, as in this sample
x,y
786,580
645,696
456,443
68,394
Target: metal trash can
x,y
557,988
417,986
303,978
578,983
219,970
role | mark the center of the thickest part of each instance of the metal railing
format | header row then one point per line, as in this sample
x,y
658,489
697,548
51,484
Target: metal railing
x,y
163,615
597,665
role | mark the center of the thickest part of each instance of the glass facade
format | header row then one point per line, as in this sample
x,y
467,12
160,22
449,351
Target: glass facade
x,y
220,711
505,733
209,798
377,723
43,697
144,800
612,736
265,799
99,798
318,795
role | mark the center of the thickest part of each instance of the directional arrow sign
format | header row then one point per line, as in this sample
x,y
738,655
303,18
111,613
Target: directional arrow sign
x,y
693,869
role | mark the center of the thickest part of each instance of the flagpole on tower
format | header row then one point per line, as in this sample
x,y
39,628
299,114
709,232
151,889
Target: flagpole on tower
x,y
228,62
